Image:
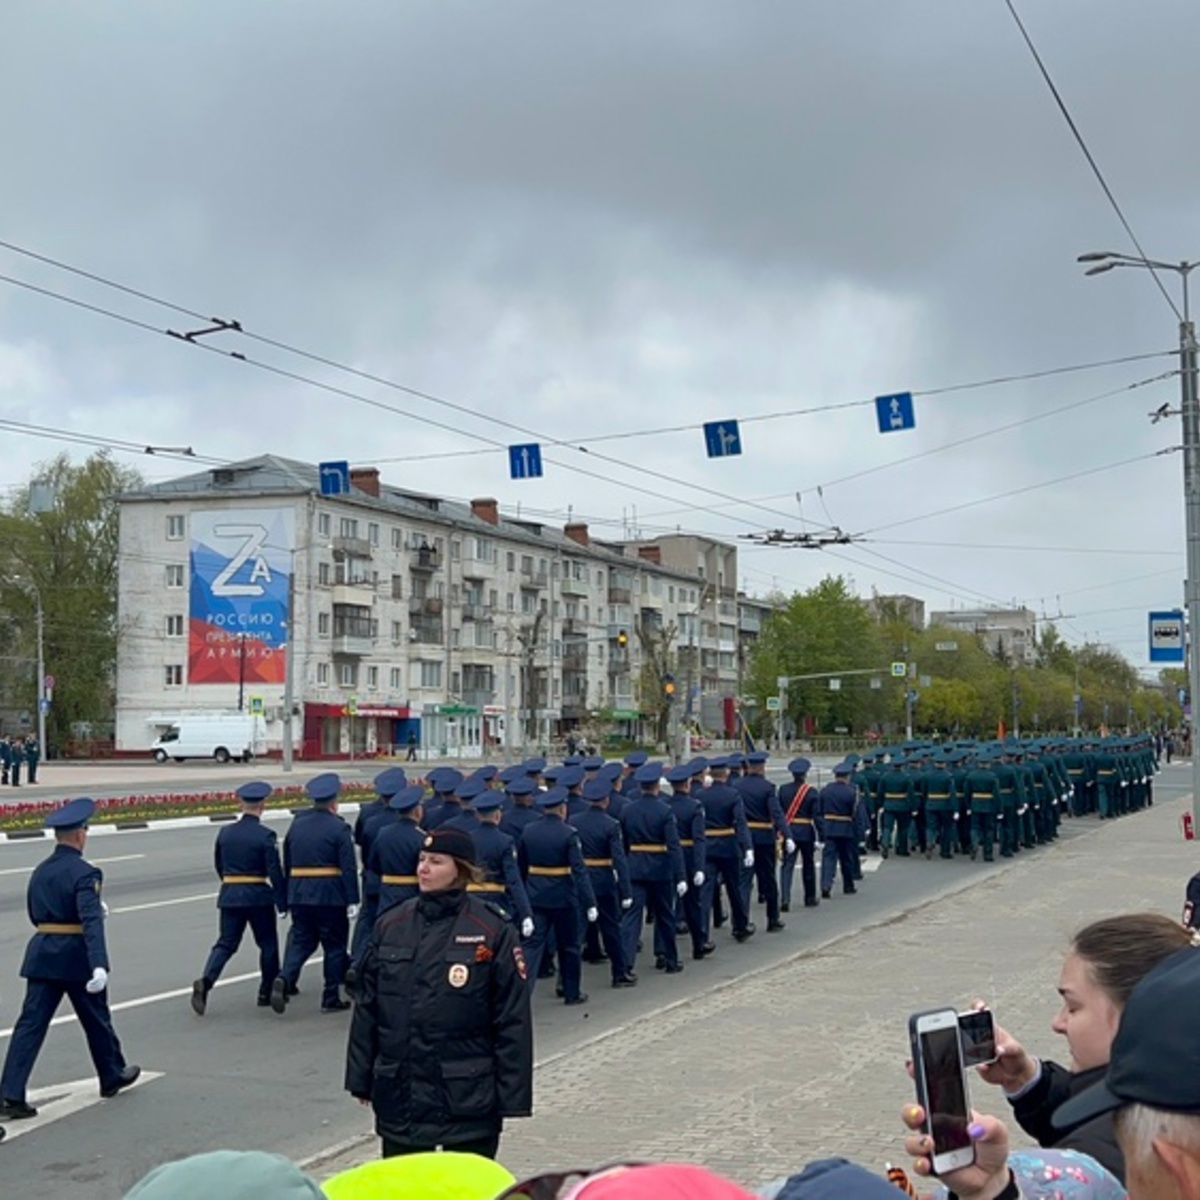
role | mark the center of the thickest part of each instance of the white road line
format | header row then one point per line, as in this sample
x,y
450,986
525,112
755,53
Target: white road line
x,y
175,994
128,908
95,861
63,1099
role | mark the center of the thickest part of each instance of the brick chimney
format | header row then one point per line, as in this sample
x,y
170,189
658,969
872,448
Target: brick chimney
x,y
650,553
486,510
366,479
577,531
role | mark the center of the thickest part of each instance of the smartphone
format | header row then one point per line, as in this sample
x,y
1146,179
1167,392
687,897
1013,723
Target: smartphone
x,y
978,1031
942,1087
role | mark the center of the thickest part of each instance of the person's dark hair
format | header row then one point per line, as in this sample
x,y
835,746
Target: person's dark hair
x,y
1119,951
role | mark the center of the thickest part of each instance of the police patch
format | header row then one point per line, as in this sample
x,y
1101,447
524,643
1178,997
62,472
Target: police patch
x,y
458,975
483,953
519,959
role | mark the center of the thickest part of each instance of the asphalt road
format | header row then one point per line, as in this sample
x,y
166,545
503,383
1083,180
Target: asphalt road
x,y
243,1077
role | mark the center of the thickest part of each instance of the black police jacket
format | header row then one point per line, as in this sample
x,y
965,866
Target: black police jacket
x,y
441,1041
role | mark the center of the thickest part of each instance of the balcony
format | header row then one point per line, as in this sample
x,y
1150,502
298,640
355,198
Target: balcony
x,y
351,547
425,558
427,632
531,577
574,587
618,662
750,623
478,568
476,610
574,627
352,645
360,594
620,595
575,656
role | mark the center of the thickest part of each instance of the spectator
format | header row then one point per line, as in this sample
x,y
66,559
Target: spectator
x,y
1106,960
634,1181
446,1176
1191,903
230,1174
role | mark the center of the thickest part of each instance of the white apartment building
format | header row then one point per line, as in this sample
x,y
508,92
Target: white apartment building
x,y
398,615
1009,633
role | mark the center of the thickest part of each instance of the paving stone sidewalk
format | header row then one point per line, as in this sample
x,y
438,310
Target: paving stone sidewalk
x,y
806,1058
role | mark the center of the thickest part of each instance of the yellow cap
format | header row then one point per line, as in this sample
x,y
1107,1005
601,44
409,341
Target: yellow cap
x,y
444,1176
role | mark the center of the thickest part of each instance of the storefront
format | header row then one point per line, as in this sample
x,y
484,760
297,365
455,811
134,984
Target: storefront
x,y
356,730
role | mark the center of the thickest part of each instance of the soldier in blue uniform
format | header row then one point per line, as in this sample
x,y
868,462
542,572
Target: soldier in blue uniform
x,y
371,820
730,849
445,804
835,825
604,856
322,880
628,784
690,821
765,820
66,956
33,755
558,885
656,870
521,792
5,759
396,849
496,857
252,888
466,819
798,800
17,754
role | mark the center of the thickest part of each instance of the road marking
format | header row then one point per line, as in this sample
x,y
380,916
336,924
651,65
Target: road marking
x,y
128,908
175,994
94,861
64,1099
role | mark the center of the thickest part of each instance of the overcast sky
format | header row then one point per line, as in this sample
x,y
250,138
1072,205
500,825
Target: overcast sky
x,y
589,220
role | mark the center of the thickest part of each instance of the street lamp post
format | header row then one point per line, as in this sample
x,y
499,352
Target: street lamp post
x,y
41,672
1189,408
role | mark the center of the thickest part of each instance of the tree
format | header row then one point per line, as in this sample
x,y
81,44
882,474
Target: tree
x,y
67,556
658,671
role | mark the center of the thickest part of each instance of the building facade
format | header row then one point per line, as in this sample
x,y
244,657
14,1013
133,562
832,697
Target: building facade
x,y
1009,633
384,617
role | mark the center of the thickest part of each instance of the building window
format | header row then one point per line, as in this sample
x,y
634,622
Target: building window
x,y
175,528
397,631
455,549
173,675
348,527
397,587
324,524
175,575
323,624
397,539
484,551
456,682
175,625
373,533
510,561
347,674
322,674
323,574
394,676
372,679
510,602
431,674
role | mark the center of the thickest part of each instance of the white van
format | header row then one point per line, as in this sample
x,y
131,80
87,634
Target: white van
x,y
220,736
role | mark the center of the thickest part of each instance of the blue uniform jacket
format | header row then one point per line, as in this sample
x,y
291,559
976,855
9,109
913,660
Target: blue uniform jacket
x,y
442,811
394,854
835,811
763,814
516,818
371,819
801,827
318,859
652,841
64,890
551,862
246,857
689,820
603,852
467,820
496,854
725,827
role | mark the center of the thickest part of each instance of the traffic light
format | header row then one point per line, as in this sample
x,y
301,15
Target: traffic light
x,y
668,686
622,638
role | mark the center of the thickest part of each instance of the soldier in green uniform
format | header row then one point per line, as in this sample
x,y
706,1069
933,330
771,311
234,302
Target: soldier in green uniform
x,y
33,755
981,790
1108,780
866,779
896,792
941,806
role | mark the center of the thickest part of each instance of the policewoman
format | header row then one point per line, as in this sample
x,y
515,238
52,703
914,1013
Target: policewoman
x,y
441,1041
66,956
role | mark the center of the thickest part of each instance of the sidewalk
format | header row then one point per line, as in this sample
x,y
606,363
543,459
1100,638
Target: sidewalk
x,y
806,1058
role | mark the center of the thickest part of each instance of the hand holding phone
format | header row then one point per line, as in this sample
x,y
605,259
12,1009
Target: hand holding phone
x,y
942,1087
978,1031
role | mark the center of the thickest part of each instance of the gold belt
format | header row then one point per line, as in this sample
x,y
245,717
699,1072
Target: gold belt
x,y
649,848
549,870
398,880
939,796
835,817
597,862
760,825
686,842
895,795
719,832
58,927
801,821
315,872
244,879
486,887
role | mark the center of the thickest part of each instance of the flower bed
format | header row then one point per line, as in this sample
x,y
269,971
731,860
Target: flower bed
x,y
137,809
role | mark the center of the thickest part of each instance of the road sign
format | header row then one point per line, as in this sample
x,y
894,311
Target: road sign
x,y
1167,637
913,695
352,706
335,478
899,670
781,682
525,461
772,704
895,412
876,683
48,683
835,685
256,706
45,706
925,680
722,439
945,645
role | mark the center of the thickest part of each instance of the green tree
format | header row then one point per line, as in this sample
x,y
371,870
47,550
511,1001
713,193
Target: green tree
x,y
67,556
658,665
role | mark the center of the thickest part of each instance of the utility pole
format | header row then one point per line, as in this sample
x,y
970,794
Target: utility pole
x,y
241,671
41,673
289,667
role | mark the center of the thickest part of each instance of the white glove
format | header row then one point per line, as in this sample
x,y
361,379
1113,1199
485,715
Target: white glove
x,y
698,879
748,859
527,928
351,911
98,981
593,915
104,908
681,888
790,846
627,903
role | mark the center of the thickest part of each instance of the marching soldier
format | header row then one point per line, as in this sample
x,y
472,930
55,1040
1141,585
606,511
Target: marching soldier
x,y
520,791
835,825
604,856
496,857
765,820
322,880
896,791
689,819
941,807
371,820
981,793
252,887
66,956
396,850
729,848
798,800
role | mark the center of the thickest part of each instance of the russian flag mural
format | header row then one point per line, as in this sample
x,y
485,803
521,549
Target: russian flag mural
x,y
241,562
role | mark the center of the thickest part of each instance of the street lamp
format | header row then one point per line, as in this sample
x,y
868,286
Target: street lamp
x,y
41,661
1189,408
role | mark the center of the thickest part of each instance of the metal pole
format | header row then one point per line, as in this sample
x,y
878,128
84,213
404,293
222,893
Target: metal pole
x,y
289,665
241,672
41,673
1190,411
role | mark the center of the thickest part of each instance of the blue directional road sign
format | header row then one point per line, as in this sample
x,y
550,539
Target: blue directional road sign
x,y
335,478
1167,641
722,439
895,412
525,461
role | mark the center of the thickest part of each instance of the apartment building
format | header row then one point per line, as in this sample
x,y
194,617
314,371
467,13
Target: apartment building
x,y
1009,633
399,616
